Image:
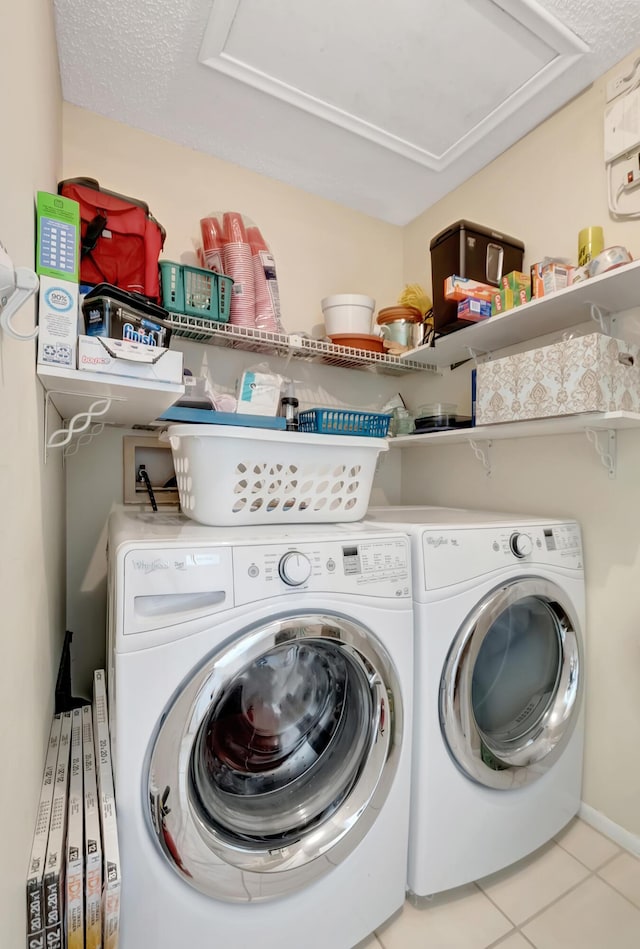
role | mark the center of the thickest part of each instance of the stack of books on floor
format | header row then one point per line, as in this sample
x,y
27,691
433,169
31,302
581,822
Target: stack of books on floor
x,y
73,881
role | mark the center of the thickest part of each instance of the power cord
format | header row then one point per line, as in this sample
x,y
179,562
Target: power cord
x,y
141,475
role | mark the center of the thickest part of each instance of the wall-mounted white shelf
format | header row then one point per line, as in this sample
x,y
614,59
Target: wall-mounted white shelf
x,y
133,401
562,425
599,427
613,292
294,345
85,398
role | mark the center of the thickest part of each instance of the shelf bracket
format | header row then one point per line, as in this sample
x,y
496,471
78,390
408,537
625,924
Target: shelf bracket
x,y
473,355
78,424
482,454
478,355
605,448
73,447
602,317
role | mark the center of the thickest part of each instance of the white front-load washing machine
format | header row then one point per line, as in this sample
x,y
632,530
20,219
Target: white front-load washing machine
x,y
260,691
498,710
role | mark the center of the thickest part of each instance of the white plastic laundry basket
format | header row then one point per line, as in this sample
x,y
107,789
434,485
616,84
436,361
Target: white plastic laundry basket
x,y
234,476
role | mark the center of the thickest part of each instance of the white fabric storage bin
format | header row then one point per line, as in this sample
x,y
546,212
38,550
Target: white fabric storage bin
x,y
593,373
237,476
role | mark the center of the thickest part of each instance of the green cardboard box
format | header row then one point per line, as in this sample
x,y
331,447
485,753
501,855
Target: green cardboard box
x,y
516,281
58,237
507,299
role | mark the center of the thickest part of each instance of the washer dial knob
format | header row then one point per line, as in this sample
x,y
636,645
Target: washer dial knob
x,y
294,568
520,544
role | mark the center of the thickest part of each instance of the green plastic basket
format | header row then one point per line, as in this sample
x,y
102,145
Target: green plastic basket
x,y
195,292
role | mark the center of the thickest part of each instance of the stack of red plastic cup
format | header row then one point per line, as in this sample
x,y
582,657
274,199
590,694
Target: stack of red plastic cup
x,y
212,241
237,262
264,275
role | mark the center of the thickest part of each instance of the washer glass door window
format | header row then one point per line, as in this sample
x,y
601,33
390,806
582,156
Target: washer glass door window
x,y
280,748
512,683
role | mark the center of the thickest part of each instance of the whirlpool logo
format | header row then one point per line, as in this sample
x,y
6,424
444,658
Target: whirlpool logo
x,y
58,299
438,541
150,566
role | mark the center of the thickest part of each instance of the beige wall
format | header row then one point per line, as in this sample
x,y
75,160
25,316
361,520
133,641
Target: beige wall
x,y
320,247
543,190
32,531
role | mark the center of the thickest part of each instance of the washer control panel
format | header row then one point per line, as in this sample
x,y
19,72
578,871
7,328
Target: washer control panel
x,y
521,545
451,555
366,567
294,568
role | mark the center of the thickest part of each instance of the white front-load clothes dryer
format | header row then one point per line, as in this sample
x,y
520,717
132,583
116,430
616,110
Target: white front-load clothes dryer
x,y
260,691
498,710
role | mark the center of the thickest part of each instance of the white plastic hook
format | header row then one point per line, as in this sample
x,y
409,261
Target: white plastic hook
x,y
16,286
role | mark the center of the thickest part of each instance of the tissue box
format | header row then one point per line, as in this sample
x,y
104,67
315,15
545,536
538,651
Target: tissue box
x,y
122,358
259,393
594,373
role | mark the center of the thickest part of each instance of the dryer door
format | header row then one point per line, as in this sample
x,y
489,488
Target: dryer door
x,y
511,688
274,758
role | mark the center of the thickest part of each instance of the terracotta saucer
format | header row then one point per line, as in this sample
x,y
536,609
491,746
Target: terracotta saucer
x,y
372,343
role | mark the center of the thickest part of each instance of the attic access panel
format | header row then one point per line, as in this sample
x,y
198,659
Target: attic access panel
x,y
378,68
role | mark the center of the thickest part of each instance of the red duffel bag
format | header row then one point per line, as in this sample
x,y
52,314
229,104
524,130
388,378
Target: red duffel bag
x,y
120,240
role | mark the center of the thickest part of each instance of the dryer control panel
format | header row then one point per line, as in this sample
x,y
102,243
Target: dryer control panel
x,y
453,555
376,568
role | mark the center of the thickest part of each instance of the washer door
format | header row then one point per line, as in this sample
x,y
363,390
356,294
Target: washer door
x,y
278,751
511,686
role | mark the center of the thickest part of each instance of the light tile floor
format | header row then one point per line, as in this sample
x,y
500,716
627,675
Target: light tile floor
x,y
580,891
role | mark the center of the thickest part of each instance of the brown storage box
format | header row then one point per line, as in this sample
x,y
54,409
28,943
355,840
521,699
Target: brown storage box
x,y
472,251
593,373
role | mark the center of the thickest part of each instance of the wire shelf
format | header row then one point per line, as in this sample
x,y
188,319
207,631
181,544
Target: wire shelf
x,y
299,347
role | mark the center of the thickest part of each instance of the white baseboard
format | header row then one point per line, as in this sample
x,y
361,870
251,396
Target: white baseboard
x,y
624,838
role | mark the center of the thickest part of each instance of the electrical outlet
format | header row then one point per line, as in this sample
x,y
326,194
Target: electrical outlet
x,y
157,459
622,83
622,126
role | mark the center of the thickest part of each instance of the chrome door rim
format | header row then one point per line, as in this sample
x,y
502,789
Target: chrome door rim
x,y
225,869
527,761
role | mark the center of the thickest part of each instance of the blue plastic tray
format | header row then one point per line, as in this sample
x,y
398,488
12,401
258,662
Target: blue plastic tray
x,y
182,414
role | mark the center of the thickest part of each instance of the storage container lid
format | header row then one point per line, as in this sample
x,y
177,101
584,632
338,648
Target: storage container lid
x,y
390,314
475,229
135,302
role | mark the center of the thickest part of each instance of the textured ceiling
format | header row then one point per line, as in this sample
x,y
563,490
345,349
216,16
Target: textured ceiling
x,y
381,107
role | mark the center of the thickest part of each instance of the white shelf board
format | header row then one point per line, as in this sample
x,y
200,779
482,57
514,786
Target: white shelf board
x,y
134,401
613,292
562,425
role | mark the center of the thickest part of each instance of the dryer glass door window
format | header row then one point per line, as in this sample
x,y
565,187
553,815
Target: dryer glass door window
x,y
512,684
274,758
516,673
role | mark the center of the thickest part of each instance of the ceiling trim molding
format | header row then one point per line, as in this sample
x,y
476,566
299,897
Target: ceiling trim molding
x,y
568,47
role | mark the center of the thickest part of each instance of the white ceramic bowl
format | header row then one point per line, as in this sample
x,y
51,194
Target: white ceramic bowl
x,y
348,313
